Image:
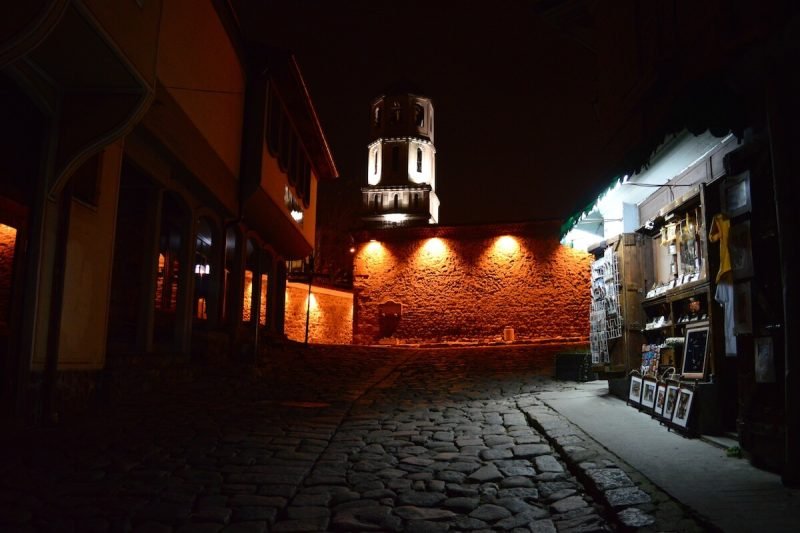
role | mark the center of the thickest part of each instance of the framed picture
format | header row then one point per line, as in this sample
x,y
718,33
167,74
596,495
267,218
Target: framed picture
x,y
736,194
742,309
683,407
635,392
672,399
765,360
661,399
648,393
695,350
740,250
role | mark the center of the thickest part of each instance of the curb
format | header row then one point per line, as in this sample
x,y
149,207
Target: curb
x,y
632,502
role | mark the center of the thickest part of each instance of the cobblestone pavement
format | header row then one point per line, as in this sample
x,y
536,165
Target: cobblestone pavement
x,y
327,438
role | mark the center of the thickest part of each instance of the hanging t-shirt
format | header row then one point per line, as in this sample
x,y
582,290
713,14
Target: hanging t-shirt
x,y
724,295
720,227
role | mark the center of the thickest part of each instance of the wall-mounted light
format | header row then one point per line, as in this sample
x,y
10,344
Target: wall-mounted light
x,y
202,269
506,244
296,215
395,218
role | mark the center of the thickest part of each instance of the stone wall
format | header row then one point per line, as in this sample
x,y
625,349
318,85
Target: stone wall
x,y
330,314
468,283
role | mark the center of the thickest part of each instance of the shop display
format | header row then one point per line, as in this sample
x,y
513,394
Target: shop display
x,y
683,407
672,397
695,350
605,318
649,394
635,391
661,397
651,356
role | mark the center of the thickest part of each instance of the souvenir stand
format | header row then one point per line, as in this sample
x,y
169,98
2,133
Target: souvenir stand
x,y
656,327
681,323
616,316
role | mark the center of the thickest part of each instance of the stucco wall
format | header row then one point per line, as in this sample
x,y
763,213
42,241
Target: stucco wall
x,y
468,283
330,315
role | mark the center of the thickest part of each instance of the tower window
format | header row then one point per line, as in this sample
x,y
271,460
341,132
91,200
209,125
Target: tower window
x,y
419,159
419,115
396,201
395,157
376,116
375,171
395,113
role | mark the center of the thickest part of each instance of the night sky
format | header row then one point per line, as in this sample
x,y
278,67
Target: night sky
x,y
517,132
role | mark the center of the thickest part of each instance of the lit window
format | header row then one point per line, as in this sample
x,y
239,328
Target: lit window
x,y
376,116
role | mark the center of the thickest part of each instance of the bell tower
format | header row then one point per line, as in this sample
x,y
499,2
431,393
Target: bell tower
x,y
401,169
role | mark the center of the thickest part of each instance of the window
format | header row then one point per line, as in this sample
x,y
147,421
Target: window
x,y
419,159
419,115
376,116
396,201
395,157
395,118
375,171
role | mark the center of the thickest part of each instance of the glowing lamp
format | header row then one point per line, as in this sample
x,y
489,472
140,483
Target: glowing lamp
x,y
297,215
395,218
506,244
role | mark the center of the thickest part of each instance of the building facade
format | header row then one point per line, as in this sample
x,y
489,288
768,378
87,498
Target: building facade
x,y
401,173
157,172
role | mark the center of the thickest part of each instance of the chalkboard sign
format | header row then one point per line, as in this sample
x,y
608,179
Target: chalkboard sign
x,y
695,350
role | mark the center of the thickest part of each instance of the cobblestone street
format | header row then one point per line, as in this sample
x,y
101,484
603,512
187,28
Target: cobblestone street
x,y
346,438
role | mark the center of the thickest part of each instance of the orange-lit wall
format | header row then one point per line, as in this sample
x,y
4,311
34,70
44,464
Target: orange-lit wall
x,y
330,315
8,239
471,282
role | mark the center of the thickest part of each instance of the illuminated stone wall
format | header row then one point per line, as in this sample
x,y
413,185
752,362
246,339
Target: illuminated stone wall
x,y
469,283
330,315
8,239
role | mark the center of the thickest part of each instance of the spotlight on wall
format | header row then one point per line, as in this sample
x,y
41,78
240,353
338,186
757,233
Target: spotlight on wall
x,y
506,244
202,269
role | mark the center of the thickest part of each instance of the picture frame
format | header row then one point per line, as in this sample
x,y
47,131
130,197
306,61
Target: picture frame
x,y
649,393
635,391
736,194
661,399
695,350
742,309
740,248
670,401
683,407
